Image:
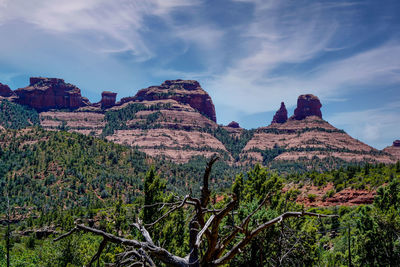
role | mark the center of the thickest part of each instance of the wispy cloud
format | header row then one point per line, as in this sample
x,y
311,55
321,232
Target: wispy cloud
x,y
374,126
289,50
104,25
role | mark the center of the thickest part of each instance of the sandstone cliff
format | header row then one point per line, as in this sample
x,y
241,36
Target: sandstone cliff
x,y
177,120
183,91
394,150
50,93
305,136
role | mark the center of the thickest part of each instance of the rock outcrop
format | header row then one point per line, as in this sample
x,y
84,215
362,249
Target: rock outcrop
x,y
394,150
281,115
49,93
5,91
108,99
233,124
307,105
183,91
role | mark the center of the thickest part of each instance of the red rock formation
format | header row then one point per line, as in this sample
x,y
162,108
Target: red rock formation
x,y
47,93
108,99
234,124
281,115
307,105
394,150
184,91
5,90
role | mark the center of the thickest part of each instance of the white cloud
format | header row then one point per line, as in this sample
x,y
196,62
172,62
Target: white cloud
x,y
101,25
280,41
378,126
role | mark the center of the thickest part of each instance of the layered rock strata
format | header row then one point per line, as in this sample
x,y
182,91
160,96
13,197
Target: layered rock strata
x,y
183,91
50,93
394,150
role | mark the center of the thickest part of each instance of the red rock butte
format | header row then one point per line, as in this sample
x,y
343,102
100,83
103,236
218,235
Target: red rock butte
x,y
307,105
184,91
48,93
108,99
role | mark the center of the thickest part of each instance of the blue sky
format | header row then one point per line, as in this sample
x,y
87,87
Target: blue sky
x,y
249,55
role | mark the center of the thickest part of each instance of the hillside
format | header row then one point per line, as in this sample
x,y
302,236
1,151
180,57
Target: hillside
x,y
49,170
307,139
394,149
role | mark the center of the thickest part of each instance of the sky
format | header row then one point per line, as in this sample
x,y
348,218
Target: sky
x,y
249,55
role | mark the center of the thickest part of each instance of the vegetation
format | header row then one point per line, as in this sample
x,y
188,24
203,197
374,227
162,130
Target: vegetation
x,y
117,119
57,181
15,116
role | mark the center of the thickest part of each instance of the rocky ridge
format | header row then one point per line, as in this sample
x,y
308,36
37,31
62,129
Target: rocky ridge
x,y
306,136
394,149
47,93
177,120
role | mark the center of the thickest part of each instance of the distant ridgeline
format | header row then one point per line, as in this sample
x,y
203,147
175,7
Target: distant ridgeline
x,y
176,120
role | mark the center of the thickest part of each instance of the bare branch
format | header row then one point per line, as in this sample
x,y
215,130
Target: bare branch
x,y
169,212
66,234
155,251
199,235
205,191
236,249
242,228
99,251
144,232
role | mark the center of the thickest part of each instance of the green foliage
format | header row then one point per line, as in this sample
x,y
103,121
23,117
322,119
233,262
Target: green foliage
x,y
117,119
15,116
232,142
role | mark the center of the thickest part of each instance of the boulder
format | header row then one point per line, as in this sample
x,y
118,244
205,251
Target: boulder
x,y
307,105
49,93
281,115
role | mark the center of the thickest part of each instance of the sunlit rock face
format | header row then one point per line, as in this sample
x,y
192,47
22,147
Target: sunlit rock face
x,y
183,91
307,105
48,93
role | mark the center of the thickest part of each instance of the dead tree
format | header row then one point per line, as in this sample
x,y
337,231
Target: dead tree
x,y
203,227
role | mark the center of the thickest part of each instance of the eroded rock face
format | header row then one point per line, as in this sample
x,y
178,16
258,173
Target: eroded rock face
x,y
394,150
5,90
281,115
108,99
233,124
48,93
307,105
184,91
